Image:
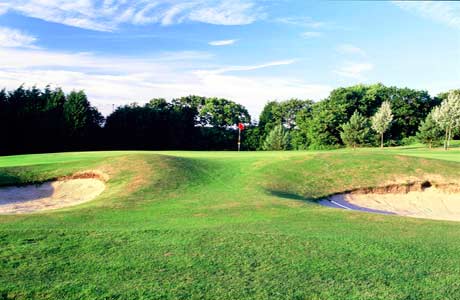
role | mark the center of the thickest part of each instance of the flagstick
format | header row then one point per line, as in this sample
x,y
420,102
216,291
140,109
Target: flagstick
x,y
239,138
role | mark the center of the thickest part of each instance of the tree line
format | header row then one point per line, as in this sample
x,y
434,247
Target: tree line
x,y
48,120
360,115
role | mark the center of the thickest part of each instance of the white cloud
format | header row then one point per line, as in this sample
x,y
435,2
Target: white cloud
x,y
107,15
10,37
354,70
229,12
247,68
138,79
311,34
254,92
301,21
15,59
447,12
173,14
350,49
222,42
3,8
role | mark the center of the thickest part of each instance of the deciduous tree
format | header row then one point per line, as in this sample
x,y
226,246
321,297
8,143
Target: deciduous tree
x,y
447,115
382,119
79,115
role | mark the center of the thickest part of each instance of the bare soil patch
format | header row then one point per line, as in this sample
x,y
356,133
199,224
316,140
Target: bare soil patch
x,y
65,192
421,199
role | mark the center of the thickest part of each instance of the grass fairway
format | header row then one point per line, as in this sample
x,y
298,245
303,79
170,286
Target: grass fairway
x,y
226,225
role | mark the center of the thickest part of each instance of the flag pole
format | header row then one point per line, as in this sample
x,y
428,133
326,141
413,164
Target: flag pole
x,y
239,138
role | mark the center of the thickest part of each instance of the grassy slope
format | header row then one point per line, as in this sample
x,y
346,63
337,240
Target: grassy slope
x,y
181,225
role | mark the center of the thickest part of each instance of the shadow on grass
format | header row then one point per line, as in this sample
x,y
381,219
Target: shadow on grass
x,y
438,146
20,176
414,147
8,179
326,202
290,196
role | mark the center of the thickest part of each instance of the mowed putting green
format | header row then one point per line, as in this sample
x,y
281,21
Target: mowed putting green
x,y
226,225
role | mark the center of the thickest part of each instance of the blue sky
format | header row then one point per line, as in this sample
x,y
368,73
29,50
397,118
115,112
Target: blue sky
x,y
248,51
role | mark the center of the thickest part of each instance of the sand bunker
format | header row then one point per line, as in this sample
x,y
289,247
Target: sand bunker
x,y
440,202
49,195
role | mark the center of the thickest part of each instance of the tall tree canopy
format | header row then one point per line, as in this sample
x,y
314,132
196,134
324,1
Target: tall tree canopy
x,y
155,125
34,120
223,113
283,113
79,115
410,107
216,112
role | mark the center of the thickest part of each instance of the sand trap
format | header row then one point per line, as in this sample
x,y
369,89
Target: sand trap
x,y
49,195
427,202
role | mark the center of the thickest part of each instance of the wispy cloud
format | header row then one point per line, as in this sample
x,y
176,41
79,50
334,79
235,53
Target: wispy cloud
x,y
301,21
350,49
222,42
175,14
247,68
227,12
182,74
447,12
109,14
354,70
311,34
10,37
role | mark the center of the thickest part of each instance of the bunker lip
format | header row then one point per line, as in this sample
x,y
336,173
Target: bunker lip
x,y
60,193
93,174
419,199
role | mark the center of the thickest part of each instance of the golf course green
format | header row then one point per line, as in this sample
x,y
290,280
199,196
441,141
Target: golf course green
x,y
228,225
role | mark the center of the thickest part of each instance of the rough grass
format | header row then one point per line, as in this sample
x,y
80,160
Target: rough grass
x,y
222,225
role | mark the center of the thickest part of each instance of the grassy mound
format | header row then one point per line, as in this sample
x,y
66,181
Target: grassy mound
x,y
217,225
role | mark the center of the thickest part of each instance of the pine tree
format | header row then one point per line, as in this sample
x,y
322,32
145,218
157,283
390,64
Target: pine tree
x,y
277,139
356,131
429,132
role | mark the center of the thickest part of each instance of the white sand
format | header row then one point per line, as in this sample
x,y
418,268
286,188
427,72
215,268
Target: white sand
x,y
49,195
430,203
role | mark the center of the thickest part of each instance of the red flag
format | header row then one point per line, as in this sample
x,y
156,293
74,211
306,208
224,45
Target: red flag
x,y
241,126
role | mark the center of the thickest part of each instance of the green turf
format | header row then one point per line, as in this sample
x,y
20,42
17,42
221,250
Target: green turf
x,y
226,225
